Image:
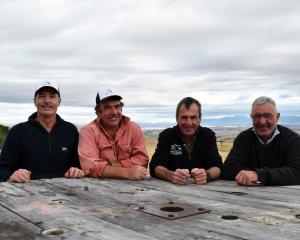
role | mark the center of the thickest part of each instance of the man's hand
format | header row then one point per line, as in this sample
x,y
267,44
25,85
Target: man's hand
x,y
199,174
20,176
180,176
74,173
136,172
246,178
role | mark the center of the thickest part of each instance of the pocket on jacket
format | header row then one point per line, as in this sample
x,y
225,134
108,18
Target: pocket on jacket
x,y
124,152
106,152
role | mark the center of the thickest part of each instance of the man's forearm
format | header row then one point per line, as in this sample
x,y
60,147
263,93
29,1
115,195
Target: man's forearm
x,y
163,173
115,171
137,159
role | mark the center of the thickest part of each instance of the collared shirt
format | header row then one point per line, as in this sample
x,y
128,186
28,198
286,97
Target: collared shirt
x,y
189,146
97,149
275,133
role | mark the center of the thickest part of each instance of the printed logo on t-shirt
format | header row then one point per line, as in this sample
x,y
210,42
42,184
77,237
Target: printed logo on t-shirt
x,y
64,149
175,149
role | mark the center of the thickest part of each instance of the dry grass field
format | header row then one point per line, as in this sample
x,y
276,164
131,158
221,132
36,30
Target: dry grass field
x,y
151,142
224,146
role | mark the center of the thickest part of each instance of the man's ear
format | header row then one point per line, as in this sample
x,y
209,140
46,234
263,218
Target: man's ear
x,y
98,112
278,116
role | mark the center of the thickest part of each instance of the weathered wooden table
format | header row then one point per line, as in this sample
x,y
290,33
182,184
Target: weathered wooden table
x,y
113,209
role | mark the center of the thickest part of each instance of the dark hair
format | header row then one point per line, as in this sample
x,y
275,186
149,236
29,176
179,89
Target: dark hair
x,y
187,102
98,105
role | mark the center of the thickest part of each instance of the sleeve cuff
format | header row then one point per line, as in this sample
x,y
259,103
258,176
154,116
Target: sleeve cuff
x,y
262,175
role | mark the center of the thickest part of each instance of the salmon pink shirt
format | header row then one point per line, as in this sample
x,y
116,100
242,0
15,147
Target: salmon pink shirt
x,y
97,149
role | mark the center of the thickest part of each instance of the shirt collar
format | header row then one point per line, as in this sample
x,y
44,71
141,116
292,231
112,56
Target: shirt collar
x,y
182,138
275,133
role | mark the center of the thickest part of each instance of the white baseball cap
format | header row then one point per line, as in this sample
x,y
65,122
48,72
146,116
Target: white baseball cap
x,y
107,93
46,84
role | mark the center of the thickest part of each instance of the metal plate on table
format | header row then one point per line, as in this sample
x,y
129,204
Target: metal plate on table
x,y
171,210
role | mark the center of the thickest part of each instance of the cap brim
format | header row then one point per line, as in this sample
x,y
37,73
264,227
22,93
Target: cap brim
x,y
45,87
111,98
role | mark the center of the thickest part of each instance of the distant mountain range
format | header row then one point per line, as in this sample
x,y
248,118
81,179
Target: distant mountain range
x,y
225,127
224,121
240,120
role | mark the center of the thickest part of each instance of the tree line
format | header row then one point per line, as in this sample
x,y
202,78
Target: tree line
x,y
3,134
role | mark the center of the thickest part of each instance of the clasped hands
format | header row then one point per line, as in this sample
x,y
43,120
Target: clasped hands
x,y
180,176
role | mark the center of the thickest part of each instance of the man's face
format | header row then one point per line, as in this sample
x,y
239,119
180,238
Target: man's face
x,y
264,119
188,120
110,113
47,101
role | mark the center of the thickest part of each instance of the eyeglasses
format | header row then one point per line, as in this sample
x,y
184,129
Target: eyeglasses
x,y
256,117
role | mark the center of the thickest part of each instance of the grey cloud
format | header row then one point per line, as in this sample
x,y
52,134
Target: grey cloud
x,y
155,52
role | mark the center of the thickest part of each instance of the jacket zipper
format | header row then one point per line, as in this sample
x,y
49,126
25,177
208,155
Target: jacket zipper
x,y
50,145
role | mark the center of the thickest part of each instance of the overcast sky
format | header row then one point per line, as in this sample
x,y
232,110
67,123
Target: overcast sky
x,y
224,53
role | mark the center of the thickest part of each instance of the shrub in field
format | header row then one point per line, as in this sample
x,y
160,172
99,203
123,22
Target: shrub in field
x,y
3,133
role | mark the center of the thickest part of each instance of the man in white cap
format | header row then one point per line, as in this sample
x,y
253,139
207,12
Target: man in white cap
x,y
43,147
112,146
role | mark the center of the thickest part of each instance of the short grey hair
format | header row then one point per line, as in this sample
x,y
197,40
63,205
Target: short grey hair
x,y
263,100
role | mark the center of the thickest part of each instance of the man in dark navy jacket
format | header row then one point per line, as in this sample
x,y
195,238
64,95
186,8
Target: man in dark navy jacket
x,y
43,147
188,149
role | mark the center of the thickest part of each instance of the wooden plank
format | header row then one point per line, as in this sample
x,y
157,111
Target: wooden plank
x,y
15,227
109,203
264,191
48,214
126,192
257,207
94,202
229,186
256,196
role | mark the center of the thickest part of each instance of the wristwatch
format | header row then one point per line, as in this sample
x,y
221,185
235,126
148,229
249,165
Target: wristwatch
x,y
109,162
208,176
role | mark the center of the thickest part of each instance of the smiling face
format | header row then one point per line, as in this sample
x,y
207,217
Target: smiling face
x,y
188,120
47,101
264,118
110,114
